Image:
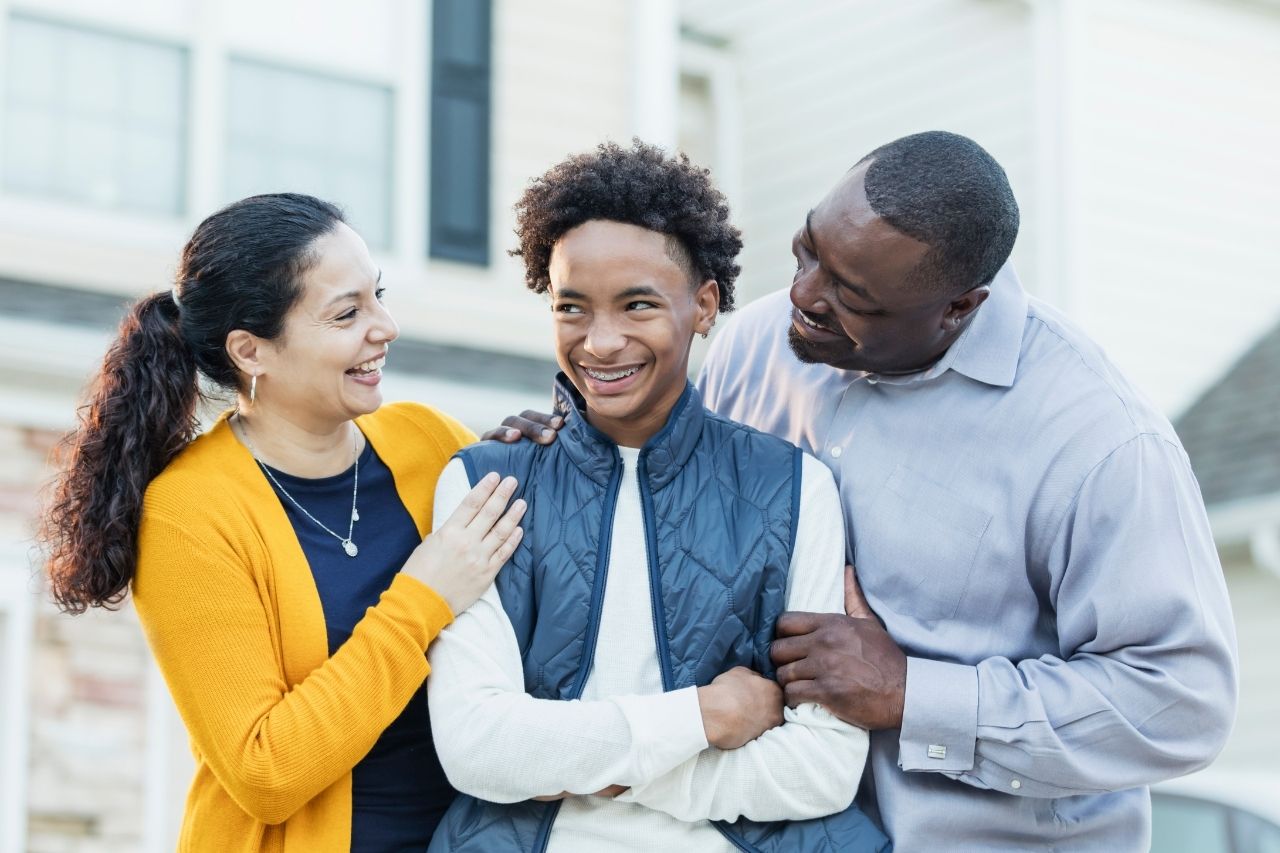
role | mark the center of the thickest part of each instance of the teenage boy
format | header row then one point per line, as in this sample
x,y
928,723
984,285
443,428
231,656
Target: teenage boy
x,y
611,691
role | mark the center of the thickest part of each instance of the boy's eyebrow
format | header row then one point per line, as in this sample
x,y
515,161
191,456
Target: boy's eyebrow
x,y
629,293
638,290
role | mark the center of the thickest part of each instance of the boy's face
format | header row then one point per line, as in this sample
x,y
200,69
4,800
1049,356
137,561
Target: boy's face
x,y
625,313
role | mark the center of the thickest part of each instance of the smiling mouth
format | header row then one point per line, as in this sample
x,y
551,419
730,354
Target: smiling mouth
x,y
610,375
813,324
368,368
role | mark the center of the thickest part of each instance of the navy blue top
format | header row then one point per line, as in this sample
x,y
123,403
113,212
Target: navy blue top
x,y
398,790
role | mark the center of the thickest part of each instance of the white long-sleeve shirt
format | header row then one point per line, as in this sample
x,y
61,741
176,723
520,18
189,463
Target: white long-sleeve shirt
x,y
500,744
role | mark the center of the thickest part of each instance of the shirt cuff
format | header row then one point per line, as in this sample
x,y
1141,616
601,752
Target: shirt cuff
x,y
666,729
939,717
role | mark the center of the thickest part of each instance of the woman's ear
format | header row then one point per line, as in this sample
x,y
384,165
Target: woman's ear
x,y
245,351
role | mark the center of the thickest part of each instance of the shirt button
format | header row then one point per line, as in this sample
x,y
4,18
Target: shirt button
x,y
1015,784
835,452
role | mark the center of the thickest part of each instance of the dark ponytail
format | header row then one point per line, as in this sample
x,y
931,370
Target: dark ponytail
x,y
241,269
140,414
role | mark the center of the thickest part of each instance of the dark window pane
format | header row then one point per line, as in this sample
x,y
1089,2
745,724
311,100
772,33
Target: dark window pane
x,y
462,33
459,156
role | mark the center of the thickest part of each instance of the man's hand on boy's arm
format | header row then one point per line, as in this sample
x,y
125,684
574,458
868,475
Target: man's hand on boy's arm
x,y
535,426
847,663
738,706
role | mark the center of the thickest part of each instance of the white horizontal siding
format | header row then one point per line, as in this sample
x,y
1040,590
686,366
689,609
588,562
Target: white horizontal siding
x,y
1179,187
823,83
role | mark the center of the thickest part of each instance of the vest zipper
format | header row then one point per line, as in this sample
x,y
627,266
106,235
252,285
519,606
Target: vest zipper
x,y
543,837
655,580
601,576
660,618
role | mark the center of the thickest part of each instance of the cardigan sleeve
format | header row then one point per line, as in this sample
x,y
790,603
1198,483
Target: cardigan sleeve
x,y
273,746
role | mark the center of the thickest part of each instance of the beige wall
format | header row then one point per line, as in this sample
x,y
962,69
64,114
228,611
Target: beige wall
x,y
1177,185
822,83
1139,136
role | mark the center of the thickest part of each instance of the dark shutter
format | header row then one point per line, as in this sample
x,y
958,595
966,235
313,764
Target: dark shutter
x,y
458,168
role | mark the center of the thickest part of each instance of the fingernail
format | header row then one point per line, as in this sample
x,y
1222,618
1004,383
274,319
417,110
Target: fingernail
x,y
557,421
490,478
546,433
509,482
513,433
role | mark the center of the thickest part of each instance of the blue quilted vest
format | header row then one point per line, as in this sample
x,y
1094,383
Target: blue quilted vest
x,y
719,502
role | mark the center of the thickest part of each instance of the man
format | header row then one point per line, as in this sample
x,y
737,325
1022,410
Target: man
x,y
1056,631
606,672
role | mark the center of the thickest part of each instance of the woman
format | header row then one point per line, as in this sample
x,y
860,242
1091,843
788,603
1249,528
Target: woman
x,y
610,669
278,562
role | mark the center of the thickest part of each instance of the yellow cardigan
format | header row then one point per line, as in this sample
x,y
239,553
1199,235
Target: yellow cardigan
x,y
232,614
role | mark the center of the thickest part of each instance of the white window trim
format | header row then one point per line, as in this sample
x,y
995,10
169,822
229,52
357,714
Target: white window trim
x,y
17,604
716,66
655,35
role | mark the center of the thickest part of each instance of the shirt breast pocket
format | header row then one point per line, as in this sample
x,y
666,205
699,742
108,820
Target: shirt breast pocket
x,y
916,546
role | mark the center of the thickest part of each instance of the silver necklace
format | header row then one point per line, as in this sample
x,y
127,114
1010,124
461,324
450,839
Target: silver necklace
x,y
347,544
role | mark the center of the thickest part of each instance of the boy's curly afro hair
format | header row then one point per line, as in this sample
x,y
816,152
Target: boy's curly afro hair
x,y
641,186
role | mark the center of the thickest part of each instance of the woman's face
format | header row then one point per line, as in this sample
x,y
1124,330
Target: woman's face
x,y
326,366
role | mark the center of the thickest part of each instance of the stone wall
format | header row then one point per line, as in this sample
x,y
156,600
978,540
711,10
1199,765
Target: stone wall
x,y
87,692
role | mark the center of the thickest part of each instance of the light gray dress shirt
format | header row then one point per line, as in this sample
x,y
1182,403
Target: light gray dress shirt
x,y
1028,528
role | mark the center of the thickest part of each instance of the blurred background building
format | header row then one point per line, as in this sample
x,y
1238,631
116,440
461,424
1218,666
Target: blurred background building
x,y
1140,136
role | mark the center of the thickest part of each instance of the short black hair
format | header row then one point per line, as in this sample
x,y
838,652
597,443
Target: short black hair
x,y
640,185
946,191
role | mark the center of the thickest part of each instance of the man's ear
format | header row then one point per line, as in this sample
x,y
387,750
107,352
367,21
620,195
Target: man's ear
x,y
245,350
707,301
964,305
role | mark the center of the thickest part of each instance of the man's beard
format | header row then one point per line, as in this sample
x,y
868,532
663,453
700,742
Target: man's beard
x,y
803,349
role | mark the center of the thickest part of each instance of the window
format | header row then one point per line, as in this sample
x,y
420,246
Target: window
x,y
94,118
708,128
461,32
295,131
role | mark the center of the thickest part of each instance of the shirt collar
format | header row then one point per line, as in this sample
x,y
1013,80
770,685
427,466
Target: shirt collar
x,y
988,350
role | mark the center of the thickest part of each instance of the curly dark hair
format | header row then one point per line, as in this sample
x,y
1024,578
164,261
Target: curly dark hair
x,y
639,185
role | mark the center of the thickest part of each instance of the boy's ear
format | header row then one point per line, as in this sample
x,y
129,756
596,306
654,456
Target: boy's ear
x,y
707,300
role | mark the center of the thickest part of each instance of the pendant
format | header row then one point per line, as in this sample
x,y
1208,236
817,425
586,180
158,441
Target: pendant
x,y
355,514
350,547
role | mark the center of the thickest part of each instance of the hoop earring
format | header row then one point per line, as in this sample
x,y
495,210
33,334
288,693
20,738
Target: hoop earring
x,y
253,389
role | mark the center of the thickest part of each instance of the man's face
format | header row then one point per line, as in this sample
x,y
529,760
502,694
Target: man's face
x,y
855,306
